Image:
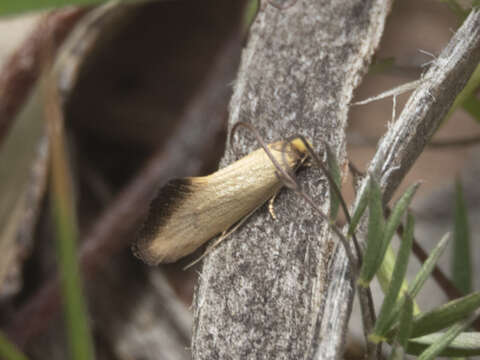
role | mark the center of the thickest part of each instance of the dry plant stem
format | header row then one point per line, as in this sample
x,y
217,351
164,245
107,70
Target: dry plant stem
x,y
271,290
22,69
112,232
364,293
408,136
424,111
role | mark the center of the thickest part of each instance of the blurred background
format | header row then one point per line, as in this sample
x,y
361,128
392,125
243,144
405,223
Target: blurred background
x,y
145,90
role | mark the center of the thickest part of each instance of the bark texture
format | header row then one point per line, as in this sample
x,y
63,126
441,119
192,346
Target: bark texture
x,y
272,291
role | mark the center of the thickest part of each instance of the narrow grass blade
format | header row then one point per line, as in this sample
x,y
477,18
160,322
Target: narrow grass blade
x,y
359,210
398,353
445,339
398,276
395,218
465,96
376,229
428,266
251,10
8,350
446,315
472,106
405,328
461,262
419,280
465,344
18,6
381,65
334,170
65,221
421,277
406,323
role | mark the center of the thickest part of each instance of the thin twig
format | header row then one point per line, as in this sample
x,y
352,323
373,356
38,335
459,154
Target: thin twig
x,y
289,180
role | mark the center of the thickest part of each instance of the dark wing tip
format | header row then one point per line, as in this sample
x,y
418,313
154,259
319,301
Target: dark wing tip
x,y
161,210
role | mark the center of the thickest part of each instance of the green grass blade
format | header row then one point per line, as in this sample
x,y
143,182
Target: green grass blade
x,y
376,228
334,170
465,344
405,328
11,7
421,276
398,276
395,218
406,323
457,9
428,266
8,350
445,339
468,91
445,315
461,262
398,353
65,222
381,65
472,106
251,10
359,210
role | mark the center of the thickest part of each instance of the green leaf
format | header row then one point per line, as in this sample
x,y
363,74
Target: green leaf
x,y
395,218
8,350
445,315
465,344
398,353
461,262
376,229
468,91
456,8
421,276
428,266
442,342
359,210
381,65
250,12
398,276
472,105
406,322
401,339
334,170
66,229
10,7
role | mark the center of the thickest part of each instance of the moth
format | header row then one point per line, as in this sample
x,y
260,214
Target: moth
x,y
188,212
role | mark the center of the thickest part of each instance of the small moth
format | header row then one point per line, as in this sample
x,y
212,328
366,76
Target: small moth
x,y
188,212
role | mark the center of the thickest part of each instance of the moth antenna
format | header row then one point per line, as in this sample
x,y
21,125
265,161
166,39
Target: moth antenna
x,y
332,184
290,182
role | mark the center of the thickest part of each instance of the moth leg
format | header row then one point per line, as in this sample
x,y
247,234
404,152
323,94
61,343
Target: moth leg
x,y
222,237
271,206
